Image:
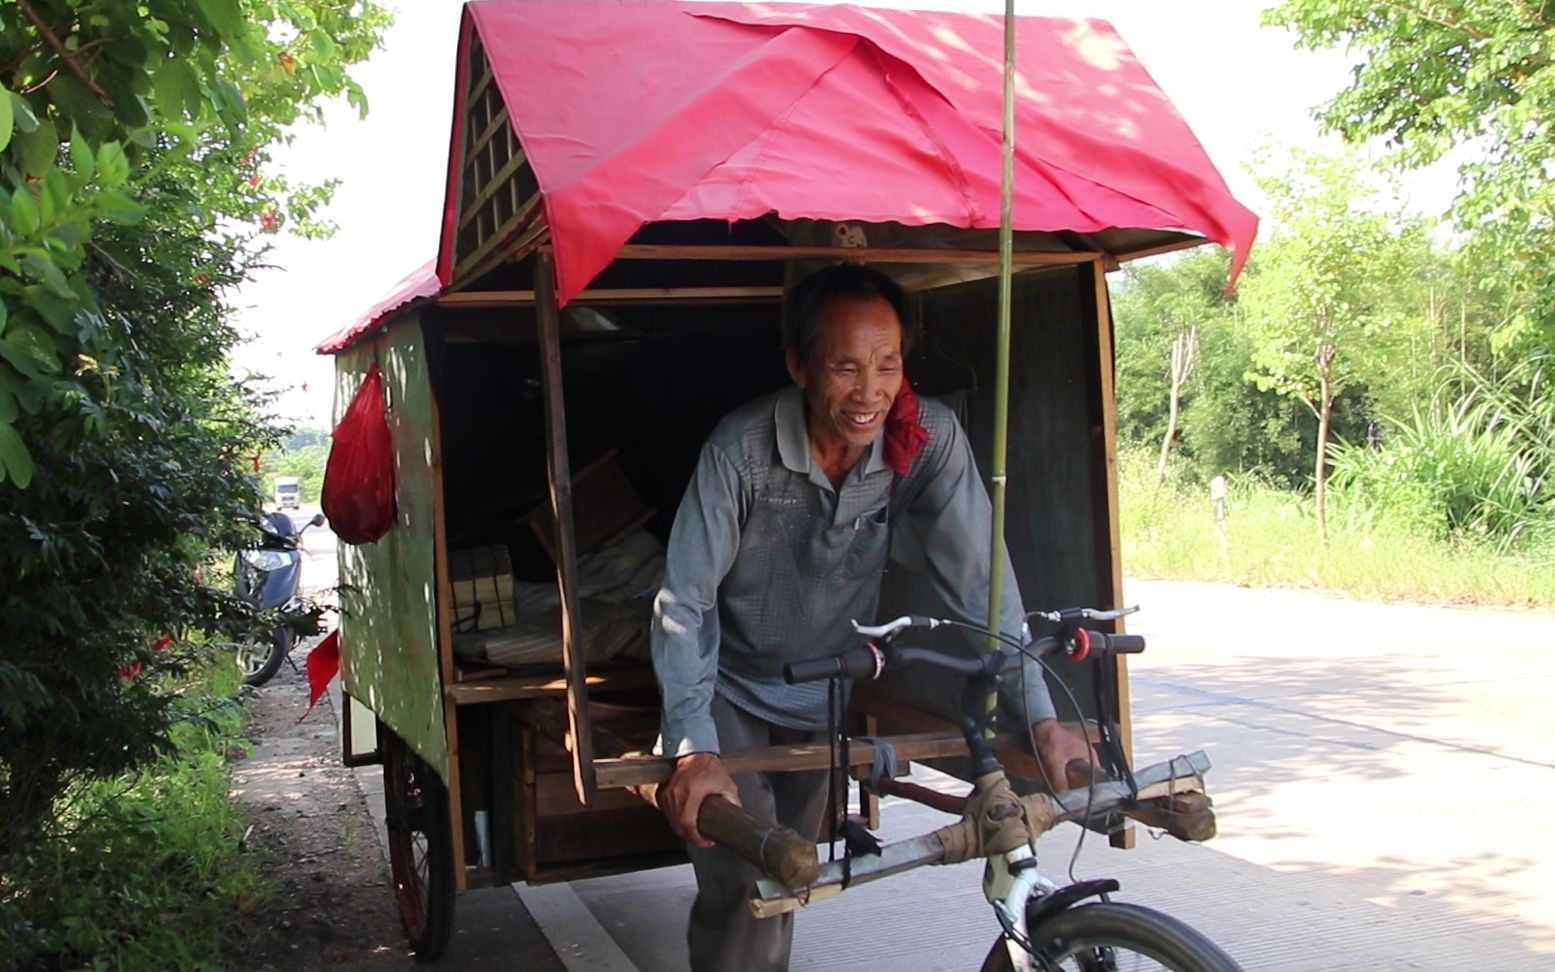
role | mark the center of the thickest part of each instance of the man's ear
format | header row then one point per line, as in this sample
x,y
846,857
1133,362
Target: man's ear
x,y
795,369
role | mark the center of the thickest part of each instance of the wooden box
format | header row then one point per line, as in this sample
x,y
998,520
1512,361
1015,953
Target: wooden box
x,y
482,582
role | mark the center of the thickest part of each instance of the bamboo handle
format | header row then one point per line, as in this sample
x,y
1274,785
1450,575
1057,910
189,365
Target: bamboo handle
x,y
778,851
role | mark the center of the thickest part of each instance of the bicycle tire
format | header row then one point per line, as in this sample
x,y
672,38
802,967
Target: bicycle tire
x,y
1116,937
273,650
420,847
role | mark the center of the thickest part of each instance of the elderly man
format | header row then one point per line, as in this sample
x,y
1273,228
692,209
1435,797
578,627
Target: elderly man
x,y
780,541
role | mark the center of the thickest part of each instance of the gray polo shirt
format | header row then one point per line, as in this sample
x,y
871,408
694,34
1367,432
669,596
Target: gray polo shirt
x,y
768,563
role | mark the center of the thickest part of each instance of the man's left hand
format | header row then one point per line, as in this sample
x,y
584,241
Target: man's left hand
x,y
1057,747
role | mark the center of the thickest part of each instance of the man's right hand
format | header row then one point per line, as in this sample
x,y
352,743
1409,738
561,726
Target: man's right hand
x,y
697,776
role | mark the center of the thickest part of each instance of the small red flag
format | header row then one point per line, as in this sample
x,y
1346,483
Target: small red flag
x,y
323,665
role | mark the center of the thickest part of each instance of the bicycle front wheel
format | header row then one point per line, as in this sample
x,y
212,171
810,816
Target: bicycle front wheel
x,y
1113,937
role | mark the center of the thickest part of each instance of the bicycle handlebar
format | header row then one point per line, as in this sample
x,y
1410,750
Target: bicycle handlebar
x,y
868,662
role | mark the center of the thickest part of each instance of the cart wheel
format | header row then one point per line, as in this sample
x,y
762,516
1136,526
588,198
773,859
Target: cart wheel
x,y
420,847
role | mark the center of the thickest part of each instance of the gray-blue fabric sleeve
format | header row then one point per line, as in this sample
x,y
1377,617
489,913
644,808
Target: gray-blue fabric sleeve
x,y
949,526
684,637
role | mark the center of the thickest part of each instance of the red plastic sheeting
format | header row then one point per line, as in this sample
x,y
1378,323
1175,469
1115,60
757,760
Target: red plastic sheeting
x,y
420,282
633,112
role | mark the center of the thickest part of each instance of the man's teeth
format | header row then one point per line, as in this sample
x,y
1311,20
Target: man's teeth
x,y
863,419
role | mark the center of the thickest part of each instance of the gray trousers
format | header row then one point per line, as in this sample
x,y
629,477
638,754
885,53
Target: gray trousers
x,y
723,935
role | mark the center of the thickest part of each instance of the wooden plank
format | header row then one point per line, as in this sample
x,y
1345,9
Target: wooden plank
x,y
486,134
524,298
445,636
642,770
1172,247
1022,258
493,185
541,685
486,78
528,860
776,850
1014,751
499,836
559,469
1109,458
483,259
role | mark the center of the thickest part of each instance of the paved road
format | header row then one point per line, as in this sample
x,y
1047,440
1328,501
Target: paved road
x,y
1384,779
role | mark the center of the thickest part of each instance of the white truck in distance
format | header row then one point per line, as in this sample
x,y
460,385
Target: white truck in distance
x,y
288,492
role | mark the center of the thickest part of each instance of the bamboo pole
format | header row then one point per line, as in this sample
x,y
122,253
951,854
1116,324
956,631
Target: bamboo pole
x,y
1001,396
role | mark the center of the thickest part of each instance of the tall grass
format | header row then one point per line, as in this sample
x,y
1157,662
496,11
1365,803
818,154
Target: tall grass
x,y
1270,539
142,872
1477,464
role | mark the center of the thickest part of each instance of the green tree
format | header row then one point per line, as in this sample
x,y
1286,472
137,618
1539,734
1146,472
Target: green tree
x,y
133,141
1163,310
1326,304
1476,76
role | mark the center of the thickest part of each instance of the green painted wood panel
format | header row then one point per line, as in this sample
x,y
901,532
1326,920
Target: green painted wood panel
x,y
388,596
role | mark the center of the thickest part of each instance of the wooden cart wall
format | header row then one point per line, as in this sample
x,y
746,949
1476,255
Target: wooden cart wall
x,y
1061,514
388,624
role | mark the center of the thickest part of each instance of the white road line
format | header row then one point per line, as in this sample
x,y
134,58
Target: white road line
x,y
578,939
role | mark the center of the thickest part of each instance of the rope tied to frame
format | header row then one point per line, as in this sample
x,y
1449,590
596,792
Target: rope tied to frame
x,y
996,820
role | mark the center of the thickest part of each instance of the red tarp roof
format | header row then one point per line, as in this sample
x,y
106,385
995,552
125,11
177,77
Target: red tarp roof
x,y
637,112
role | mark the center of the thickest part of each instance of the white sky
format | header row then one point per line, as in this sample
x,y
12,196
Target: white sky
x,y
1237,84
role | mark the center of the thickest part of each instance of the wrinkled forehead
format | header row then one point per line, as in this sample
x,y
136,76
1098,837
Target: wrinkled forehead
x,y
856,324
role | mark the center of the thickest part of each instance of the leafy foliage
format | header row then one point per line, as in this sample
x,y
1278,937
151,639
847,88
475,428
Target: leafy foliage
x,y
131,194
303,455
1477,464
132,851
1471,75
1325,304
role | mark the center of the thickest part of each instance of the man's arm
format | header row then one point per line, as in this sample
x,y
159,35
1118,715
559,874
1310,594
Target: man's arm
x,y
950,524
685,636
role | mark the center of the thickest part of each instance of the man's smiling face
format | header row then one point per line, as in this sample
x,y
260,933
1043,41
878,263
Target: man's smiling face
x,y
854,372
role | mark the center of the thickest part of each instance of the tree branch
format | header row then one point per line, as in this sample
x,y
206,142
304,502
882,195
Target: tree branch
x,y
52,39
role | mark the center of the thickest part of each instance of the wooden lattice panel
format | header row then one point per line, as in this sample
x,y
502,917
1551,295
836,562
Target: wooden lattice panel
x,y
498,195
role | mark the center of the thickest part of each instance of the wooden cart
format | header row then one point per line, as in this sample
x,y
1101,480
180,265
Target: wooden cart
x,y
540,427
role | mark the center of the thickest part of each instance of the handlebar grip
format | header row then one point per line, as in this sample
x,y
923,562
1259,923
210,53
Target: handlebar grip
x,y
779,851
1126,644
858,663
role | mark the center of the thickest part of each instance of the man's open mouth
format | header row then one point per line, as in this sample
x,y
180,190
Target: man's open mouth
x,y
863,420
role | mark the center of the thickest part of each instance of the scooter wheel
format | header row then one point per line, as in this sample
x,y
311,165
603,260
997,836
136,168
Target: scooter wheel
x,y
260,660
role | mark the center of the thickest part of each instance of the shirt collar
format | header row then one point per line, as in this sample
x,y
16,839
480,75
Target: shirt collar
x,y
793,435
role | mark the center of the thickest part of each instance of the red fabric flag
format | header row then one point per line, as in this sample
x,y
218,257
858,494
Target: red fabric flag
x,y
904,434
323,665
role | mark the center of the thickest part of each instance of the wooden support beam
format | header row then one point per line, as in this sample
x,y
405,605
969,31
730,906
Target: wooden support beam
x,y
1022,258
445,632
492,187
485,136
639,770
479,88
471,266
579,736
778,851
637,295
1109,534
1172,247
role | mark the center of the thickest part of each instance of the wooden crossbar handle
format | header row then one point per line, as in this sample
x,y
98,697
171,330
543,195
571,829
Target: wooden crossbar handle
x,y
778,851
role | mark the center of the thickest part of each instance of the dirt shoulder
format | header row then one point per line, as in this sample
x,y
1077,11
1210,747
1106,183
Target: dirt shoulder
x,y
331,905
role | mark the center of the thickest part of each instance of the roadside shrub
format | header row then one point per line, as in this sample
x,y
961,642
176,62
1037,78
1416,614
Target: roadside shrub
x,y
141,871
1475,464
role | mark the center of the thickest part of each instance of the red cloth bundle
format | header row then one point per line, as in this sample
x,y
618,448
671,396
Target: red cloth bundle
x,y
905,436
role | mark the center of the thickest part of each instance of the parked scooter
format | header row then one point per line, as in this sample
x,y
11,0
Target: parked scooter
x,y
269,575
